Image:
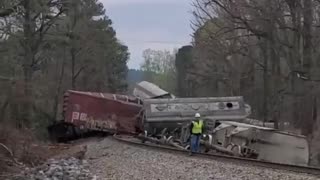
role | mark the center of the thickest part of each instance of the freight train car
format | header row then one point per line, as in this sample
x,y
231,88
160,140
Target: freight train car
x,y
262,143
167,121
88,111
174,113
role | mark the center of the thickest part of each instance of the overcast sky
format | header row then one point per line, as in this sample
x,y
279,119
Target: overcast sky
x,y
155,24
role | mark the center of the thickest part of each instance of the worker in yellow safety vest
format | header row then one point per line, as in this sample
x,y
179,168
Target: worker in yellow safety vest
x,y
196,130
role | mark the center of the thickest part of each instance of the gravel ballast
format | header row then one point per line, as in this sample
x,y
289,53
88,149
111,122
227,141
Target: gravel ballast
x,y
110,159
62,169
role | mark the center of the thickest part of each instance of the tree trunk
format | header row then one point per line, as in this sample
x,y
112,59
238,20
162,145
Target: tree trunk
x,y
27,68
59,86
307,36
306,64
73,68
264,49
295,60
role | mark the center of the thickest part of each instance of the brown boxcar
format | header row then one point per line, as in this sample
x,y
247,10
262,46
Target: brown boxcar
x,y
90,111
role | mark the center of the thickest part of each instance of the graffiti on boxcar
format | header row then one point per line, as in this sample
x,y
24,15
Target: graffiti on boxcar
x,y
100,124
90,123
75,116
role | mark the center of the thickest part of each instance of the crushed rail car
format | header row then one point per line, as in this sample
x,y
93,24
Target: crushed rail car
x,y
89,111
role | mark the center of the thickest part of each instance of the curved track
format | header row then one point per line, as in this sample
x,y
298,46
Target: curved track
x,y
294,168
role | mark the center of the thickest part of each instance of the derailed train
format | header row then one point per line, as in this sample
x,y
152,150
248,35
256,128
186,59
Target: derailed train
x,y
156,115
225,130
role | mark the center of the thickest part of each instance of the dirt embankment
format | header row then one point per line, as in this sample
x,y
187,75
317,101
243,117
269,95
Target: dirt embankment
x,y
21,152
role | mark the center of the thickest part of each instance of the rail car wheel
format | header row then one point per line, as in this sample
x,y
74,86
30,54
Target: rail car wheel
x,y
187,147
230,146
145,134
236,149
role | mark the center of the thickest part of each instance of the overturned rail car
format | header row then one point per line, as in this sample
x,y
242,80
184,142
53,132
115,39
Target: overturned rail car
x,y
89,111
262,143
170,114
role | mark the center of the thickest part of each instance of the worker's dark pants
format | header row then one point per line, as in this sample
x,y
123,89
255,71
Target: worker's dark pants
x,y
195,143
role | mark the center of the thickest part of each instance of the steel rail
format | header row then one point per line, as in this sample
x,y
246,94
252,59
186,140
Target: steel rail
x,y
253,162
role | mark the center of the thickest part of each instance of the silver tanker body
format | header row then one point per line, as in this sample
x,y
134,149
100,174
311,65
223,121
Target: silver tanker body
x,y
172,114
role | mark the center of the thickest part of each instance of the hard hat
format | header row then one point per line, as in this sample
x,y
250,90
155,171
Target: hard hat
x,y
197,115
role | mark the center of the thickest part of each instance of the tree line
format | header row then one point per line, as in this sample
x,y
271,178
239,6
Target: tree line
x,y
49,46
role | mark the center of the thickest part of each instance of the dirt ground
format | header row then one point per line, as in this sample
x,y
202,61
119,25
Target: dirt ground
x,y
38,153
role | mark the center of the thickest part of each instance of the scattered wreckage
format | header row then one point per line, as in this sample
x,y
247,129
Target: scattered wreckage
x,y
154,115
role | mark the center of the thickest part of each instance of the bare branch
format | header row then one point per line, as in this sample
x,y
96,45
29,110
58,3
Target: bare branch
x,y
79,71
9,11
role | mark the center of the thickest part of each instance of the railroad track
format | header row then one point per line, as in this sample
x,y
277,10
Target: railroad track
x,y
253,162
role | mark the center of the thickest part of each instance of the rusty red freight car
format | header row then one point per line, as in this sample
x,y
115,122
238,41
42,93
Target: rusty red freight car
x,y
90,111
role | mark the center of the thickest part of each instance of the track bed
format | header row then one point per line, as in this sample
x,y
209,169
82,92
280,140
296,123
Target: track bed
x,y
216,156
111,159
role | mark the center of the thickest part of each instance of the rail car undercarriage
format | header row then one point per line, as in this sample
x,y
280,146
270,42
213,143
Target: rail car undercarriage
x,y
241,140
